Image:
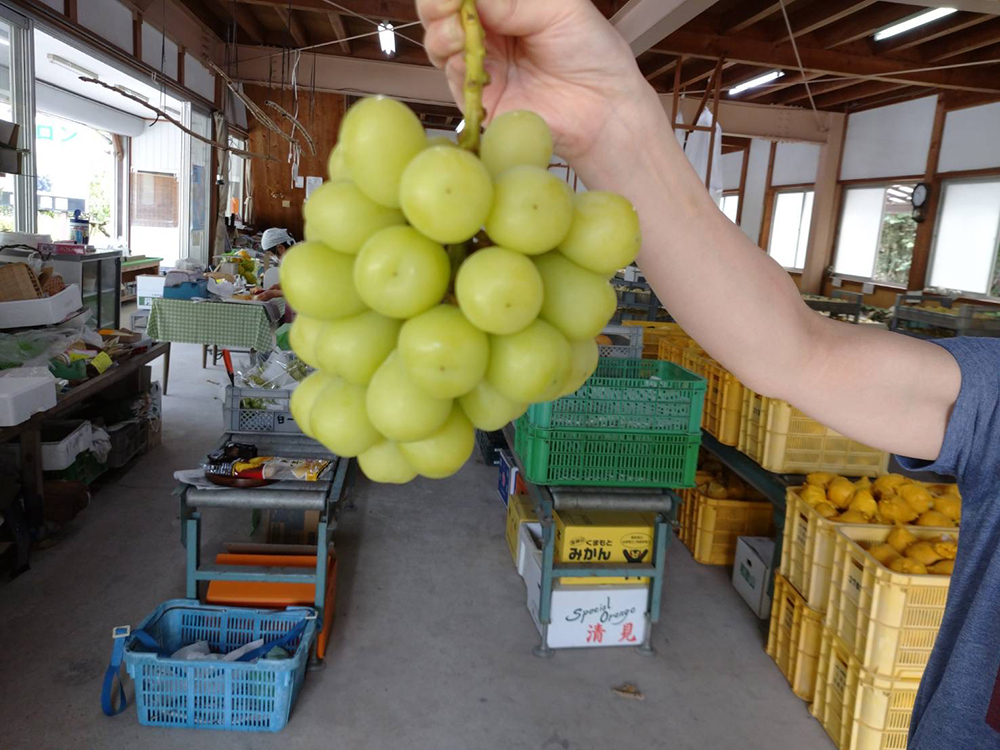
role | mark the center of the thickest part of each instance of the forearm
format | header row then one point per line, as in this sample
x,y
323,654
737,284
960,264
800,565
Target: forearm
x,y
736,302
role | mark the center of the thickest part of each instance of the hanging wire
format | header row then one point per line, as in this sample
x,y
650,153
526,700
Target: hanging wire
x,y
334,41
802,70
341,8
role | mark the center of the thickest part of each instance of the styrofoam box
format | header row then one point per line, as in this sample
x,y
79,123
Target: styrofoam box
x,y
584,616
529,537
22,397
40,312
752,572
71,438
148,288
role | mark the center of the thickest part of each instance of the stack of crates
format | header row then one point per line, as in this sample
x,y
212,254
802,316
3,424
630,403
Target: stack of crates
x,y
634,423
795,638
879,633
723,396
653,333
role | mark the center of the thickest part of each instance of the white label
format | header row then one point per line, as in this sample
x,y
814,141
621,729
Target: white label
x,y
868,288
837,282
854,576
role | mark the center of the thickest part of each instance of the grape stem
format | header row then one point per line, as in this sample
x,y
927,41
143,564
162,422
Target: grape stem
x,y
476,78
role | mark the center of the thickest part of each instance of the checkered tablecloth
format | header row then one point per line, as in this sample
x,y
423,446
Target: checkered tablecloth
x,y
215,323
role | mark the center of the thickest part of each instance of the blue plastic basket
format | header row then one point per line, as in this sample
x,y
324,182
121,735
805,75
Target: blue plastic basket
x,y
239,696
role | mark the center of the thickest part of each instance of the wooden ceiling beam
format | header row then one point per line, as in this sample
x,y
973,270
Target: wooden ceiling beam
x,y
905,94
746,14
661,69
935,30
855,93
816,16
832,62
337,24
787,81
982,35
863,25
799,94
249,24
378,10
695,71
293,25
205,17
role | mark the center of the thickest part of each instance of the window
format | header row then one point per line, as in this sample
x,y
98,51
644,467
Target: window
x,y
234,195
731,205
877,233
790,228
154,200
967,237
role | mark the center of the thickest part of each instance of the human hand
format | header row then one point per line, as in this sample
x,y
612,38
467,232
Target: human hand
x,y
558,58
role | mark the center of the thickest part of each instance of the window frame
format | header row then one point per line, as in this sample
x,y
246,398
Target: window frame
x,y
775,191
881,182
995,178
739,196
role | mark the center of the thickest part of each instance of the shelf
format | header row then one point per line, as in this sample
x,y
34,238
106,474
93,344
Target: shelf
x,y
772,486
129,298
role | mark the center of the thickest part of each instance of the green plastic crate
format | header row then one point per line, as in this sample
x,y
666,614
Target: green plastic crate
x,y
606,459
628,394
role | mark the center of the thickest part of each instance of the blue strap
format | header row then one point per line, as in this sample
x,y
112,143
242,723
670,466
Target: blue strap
x,y
120,636
288,637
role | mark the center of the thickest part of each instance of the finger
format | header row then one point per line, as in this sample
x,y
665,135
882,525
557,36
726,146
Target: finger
x,y
523,17
443,39
434,10
455,71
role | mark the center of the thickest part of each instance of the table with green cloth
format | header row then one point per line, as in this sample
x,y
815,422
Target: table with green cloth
x,y
229,325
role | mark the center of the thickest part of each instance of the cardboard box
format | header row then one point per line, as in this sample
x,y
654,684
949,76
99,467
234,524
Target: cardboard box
x,y
519,511
148,288
291,526
752,572
587,616
529,537
604,537
41,312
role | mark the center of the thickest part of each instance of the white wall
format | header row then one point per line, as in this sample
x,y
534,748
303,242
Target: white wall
x,y
756,187
158,149
109,19
732,166
889,141
971,139
795,163
59,5
198,78
153,47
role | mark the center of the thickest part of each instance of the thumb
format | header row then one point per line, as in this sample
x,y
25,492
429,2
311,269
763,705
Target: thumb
x,y
525,17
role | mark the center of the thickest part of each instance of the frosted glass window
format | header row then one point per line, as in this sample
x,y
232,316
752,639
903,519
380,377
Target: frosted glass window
x,y
860,224
730,205
965,247
790,228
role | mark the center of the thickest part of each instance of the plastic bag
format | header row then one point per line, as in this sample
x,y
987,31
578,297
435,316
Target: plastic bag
x,y
281,370
37,346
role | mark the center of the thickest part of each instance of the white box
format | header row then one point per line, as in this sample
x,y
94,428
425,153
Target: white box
x,y
62,441
148,288
752,572
529,538
585,616
22,397
40,312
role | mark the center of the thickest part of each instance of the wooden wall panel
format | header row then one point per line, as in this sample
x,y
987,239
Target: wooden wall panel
x,y
272,186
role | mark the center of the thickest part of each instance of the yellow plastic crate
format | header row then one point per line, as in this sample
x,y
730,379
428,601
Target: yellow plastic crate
x,y
859,710
718,524
807,550
889,620
653,332
784,440
671,348
686,517
794,638
723,397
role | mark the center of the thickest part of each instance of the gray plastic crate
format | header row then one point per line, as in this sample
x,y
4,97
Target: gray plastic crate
x,y
239,416
908,318
843,304
630,334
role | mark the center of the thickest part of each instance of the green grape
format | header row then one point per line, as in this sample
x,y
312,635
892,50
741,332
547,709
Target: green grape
x,y
401,273
385,463
380,136
301,402
444,452
529,364
341,216
532,210
319,282
584,356
339,420
398,408
440,140
443,352
336,167
514,139
605,235
577,302
499,291
303,336
446,193
355,347
488,409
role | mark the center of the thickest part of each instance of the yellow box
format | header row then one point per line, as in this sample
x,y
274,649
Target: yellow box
x,y
607,537
519,510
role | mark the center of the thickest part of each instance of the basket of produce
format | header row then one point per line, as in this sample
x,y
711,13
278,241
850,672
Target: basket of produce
x,y
826,501
620,341
723,410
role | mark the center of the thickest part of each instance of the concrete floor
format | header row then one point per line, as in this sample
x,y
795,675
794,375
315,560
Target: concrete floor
x,y
431,647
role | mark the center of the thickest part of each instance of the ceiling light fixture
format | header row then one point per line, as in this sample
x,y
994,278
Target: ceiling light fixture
x,y
460,127
912,23
72,67
131,92
387,38
758,81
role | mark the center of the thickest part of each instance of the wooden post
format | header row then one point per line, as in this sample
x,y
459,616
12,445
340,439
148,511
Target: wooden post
x,y
743,185
69,8
677,93
765,223
137,35
825,215
925,229
704,96
715,117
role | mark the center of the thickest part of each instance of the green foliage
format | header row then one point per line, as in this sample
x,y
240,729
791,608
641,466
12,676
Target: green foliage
x,y
895,251
99,207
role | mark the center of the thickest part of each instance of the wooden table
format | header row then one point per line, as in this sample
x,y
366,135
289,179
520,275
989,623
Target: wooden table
x,y
30,431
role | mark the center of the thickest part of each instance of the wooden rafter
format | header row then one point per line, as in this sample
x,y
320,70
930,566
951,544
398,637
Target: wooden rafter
x,y
787,81
969,40
746,14
697,71
383,10
293,25
337,24
816,16
935,30
798,93
833,62
860,91
248,23
863,25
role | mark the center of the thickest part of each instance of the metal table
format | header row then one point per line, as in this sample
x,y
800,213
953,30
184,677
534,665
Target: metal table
x,y
326,495
546,499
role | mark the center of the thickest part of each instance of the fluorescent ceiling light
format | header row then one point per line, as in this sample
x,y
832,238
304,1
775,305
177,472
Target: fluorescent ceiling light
x,y
460,127
758,81
72,67
131,92
387,38
912,23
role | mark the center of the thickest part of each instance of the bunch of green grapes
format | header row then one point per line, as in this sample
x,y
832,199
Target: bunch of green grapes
x,y
420,333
